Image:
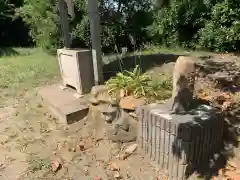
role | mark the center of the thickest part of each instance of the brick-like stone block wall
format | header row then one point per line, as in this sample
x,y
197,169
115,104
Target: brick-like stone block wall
x,y
179,143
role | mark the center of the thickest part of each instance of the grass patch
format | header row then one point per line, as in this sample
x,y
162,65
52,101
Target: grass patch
x,y
166,50
38,164
28,69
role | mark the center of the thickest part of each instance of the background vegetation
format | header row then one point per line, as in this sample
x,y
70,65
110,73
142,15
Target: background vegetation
x,y
197,24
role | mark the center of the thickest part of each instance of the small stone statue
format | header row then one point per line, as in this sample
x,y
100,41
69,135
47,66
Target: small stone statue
x,y
183,84
120,126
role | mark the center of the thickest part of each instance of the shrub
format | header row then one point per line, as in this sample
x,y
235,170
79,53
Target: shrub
x,y
210,25
139,85
130,18
178,23
43,21
222,30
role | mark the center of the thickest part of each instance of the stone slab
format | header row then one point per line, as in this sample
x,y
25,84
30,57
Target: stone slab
x,y
63,104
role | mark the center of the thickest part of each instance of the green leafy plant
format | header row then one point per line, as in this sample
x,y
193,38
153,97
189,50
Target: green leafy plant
x,y
132,83
160,88
140,85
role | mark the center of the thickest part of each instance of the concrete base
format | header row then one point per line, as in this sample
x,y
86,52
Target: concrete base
x,y
63,104
179,144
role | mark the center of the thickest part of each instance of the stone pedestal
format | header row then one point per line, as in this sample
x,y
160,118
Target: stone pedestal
x,y
179,143
76,68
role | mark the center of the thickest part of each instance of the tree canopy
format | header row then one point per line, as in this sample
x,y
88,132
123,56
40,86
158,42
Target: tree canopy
x,y
197,24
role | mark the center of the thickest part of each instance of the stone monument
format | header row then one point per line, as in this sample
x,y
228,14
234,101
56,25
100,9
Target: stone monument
x,y
178,135
120,126
76,69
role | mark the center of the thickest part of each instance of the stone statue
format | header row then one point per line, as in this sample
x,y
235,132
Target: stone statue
x,y
120,126
183,84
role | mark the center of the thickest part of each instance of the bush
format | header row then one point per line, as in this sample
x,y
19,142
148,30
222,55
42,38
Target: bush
x,y
140,85
222,30
43,21
210,25
178,23
130,18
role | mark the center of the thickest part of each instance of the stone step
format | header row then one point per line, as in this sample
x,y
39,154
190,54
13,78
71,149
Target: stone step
x,y
63,103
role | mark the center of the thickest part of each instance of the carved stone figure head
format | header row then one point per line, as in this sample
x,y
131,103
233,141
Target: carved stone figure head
x,y
105,103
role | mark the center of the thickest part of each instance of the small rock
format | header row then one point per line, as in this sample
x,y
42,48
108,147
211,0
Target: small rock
x,y
81,146
226,105
86,172
131,103
133,114
97,178
56,165
113,166
130,149
117,175
85,144
39,105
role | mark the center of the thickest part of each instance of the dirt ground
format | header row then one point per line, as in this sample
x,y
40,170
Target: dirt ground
x,y
31,140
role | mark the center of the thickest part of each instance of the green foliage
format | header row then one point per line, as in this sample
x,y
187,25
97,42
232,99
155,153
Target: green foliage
x,y
133,83
6,10
160,88
28,68
42,18
177,23
212,25
197,24
119,19
139,85
222,30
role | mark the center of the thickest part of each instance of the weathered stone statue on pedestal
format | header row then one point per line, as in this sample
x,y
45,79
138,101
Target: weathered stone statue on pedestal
x,y
179,135
183,85
120,126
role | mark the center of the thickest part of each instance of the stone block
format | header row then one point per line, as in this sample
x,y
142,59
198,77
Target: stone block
x,y
178,143
63,104
76,69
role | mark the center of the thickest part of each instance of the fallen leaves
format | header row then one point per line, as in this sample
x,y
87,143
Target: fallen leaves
x,y
230,172
112,166
222,100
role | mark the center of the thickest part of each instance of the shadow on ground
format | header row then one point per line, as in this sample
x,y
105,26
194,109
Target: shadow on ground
x,y
208,151
7,51
116,64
